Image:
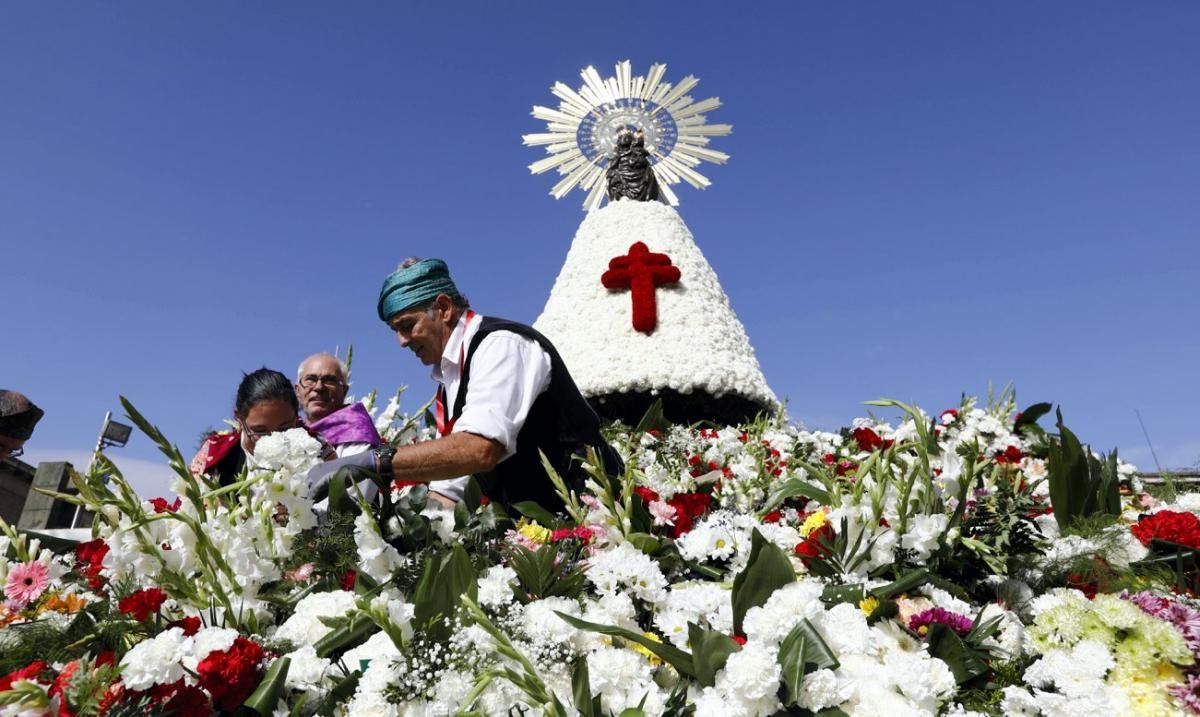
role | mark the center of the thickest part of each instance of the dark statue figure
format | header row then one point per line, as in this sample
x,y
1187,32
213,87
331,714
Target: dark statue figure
x,y
629,172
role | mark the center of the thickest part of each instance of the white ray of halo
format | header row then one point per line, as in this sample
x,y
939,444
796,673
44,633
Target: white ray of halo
x,y
534,140
548,115
653,78
706,154
549,163
697,108
571,100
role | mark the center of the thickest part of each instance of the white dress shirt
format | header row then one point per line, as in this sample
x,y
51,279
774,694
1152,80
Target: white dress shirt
x,y
508,373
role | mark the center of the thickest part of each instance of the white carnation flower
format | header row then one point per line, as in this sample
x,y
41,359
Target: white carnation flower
x,y
304,626
377,558
156,661
495,587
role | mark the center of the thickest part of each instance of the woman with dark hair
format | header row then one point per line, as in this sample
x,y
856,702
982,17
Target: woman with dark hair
x,y
265,403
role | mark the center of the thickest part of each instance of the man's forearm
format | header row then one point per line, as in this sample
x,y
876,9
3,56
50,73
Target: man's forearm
x,y
455,455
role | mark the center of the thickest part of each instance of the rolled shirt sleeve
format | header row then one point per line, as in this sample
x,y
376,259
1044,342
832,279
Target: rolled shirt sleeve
x,y
508,373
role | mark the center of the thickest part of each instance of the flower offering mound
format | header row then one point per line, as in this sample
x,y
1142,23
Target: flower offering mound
x,y
962,563
636,331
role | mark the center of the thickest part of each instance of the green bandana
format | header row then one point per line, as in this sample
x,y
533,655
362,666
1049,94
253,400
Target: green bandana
x,y
414,285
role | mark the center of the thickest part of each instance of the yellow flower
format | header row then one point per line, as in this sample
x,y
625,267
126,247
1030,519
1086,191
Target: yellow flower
x,y
652,658
812,522
868,605
534,532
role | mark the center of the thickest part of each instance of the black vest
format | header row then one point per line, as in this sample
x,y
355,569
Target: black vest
x,y
560,424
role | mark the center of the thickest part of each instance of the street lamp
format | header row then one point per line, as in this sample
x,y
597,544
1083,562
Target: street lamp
x,y
112,434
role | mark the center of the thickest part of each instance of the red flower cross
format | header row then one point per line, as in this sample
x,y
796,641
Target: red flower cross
x,y
641,271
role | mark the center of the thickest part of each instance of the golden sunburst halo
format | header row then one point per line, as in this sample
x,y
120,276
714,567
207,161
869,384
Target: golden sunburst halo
x,y
581,133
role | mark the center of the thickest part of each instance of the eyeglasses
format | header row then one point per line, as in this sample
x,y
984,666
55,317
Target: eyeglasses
x,y
328,381
254,436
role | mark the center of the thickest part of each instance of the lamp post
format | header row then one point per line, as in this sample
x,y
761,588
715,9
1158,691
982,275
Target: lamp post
x,y
112,433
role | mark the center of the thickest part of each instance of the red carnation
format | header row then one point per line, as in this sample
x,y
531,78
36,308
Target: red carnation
x,y
91,561
816,545
162,506
231,675
143,602
1180,528
772,517
867,439
180,699
349,579
188,701
189,625
646,494
1012,454
28,672
688,507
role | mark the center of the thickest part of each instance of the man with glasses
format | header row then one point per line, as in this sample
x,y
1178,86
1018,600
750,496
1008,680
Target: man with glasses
x,y
321,385
18,416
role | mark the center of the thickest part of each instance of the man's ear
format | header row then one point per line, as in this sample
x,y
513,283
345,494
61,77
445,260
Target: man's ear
x,y
445,307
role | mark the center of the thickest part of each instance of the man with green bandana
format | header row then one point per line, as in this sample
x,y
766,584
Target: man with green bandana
x,y
504,397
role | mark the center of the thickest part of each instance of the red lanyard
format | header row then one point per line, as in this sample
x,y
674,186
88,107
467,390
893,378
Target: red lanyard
x,y
445,424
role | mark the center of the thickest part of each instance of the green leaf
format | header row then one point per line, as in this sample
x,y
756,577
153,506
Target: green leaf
x,y
1031,415
802,651
438,594
644,542
909,581
339,496
581,691
472,495
653,419
673,656
356,631
264,699
945,645
340,692
792,488
535,512
767,570
836,594
461,515
1068,476
639,518
710,651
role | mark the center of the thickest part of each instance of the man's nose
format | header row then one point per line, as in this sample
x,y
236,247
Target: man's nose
x,y
404,340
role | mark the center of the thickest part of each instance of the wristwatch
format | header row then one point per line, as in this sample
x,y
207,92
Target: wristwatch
x,y
383,460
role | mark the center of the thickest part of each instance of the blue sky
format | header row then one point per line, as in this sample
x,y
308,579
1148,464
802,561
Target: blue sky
x,y
923,199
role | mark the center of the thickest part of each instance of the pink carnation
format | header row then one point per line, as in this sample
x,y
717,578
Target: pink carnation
x,y
662,512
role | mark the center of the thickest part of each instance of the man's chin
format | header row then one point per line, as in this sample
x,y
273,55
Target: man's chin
x,y
317,411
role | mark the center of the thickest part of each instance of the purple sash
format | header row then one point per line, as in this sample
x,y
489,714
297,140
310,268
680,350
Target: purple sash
x,y
349,424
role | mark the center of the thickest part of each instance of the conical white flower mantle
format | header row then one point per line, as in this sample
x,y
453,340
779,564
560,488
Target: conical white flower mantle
x,y
697,357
